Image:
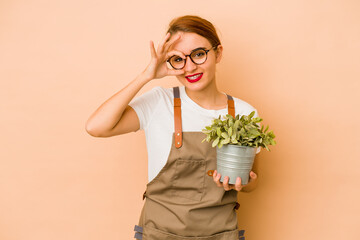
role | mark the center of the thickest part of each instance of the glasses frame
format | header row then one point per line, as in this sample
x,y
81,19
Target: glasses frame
x,y
189,55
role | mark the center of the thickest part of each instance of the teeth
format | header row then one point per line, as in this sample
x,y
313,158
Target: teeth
x,y
194,77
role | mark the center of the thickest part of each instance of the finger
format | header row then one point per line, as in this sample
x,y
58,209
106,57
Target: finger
x,y
238,184
214,175
217,180
226,183
171,41
253,176
174,52
152,49
160,47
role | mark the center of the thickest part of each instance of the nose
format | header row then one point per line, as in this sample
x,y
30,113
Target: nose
x,y
189,66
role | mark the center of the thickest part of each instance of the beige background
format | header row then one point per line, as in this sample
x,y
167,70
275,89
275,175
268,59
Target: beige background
x,y
296,61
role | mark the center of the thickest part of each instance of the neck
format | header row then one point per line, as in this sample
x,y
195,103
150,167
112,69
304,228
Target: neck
x,y
209,97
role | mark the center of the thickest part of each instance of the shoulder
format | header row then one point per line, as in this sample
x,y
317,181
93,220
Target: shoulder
x,y
165,91
243,108
156,92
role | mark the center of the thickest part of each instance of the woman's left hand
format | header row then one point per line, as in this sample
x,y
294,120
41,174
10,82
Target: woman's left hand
x,y
237,186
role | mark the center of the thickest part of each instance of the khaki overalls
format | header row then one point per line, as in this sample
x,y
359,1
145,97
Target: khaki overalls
x,y
182,201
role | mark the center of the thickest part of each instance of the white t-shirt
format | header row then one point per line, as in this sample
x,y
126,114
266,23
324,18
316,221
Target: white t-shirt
x,y
155,110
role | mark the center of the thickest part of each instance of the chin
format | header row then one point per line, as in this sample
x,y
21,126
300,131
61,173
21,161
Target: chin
x,y
198,86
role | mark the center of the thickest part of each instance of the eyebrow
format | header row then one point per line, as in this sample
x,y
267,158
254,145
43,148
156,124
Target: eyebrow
x,y
193,50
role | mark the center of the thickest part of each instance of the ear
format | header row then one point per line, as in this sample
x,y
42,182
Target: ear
x,y
218,52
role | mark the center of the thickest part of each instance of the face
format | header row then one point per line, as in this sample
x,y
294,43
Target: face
x,y
205,72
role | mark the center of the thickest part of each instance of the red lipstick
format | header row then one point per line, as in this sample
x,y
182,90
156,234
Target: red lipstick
x,y
192,78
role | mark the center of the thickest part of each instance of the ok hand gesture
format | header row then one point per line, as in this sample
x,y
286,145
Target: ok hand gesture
x,y
157,67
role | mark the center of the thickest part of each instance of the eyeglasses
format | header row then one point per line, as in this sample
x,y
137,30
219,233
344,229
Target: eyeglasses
x,y
197,56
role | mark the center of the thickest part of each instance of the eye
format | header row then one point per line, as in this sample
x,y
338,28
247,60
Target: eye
x,y
199,54
177,59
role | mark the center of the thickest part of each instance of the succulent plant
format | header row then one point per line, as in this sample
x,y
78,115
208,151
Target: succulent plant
x,y
243,131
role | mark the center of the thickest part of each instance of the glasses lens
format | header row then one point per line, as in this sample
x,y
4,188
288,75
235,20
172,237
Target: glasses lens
x,y
198,56
177,62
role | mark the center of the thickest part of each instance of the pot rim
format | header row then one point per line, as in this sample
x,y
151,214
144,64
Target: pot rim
x,y
240,146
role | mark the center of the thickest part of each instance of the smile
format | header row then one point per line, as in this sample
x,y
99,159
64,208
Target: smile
x,y
194,78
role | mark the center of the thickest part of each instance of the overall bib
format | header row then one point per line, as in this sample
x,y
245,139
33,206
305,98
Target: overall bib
x,y
182,201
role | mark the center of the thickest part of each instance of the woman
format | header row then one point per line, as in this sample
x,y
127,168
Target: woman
x,y
184,197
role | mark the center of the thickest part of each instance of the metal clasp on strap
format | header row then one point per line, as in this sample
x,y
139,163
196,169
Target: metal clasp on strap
x,y
138,232
241,235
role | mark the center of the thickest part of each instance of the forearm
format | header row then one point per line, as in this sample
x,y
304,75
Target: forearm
x,y
110,112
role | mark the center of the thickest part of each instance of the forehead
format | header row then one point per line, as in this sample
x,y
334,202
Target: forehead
x,y
188,42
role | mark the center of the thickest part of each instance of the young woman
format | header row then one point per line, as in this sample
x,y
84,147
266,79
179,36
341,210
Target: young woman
x,y
184,197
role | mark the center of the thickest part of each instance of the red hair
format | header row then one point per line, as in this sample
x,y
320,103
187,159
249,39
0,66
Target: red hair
x,y
195,24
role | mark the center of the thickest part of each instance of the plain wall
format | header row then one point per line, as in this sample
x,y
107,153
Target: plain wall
x,y
297,62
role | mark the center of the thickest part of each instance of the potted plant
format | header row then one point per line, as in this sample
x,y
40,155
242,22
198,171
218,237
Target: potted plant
x,y
237,140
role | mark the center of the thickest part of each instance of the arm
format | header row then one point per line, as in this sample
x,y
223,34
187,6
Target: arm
x,y
115,116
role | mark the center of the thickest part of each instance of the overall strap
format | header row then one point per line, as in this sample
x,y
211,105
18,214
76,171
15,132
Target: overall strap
x,y
177,115
177,118
231,105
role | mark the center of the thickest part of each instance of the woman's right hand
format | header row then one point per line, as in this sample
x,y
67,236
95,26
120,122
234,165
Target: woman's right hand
x,y
157,67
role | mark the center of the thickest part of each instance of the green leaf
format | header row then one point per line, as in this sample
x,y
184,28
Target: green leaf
x,y
230,131
254,132
251,114
266,128
257,119
218,132
233,137
267,148
216,141
271,134
242,131
224,135
236,124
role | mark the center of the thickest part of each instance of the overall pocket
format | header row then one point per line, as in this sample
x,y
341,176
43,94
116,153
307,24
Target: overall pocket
x,y
189,178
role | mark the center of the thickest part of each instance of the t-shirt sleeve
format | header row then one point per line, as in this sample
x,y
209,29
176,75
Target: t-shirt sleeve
x,y
145,104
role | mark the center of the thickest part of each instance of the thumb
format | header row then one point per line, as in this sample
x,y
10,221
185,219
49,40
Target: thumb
x,y
253,175
175,72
